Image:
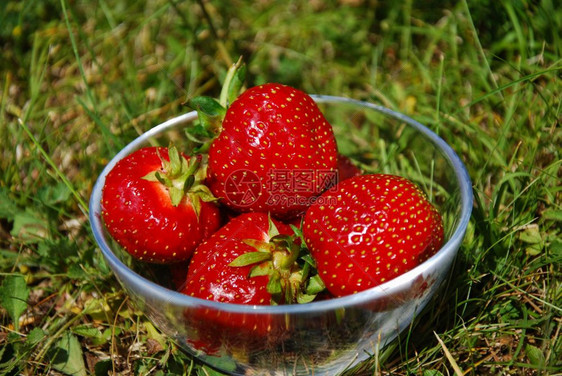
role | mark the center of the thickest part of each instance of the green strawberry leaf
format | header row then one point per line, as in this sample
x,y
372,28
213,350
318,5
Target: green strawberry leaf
x,y
315,285
274,285
265,268
260,245
175,164
305,298
308,259
203,192
188,183
297,231
195,202
201,137
198,134
151,176
193,165
251,258
163,179
272,231
306,268
176,195
210,113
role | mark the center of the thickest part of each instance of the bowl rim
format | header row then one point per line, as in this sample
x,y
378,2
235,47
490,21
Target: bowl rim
x,y
157,292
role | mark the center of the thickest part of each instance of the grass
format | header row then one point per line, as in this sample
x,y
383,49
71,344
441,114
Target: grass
x,y
79,79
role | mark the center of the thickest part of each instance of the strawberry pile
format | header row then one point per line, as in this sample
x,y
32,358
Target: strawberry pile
x,y
265,210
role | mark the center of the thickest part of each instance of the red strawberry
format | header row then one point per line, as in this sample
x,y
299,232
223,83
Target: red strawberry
x,y
155,206
213,331
210,275
250,260
346,168
210,329
274,153
369,230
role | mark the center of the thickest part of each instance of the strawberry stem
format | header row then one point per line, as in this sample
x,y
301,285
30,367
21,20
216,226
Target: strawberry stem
x,y
288,265
211,112
182,177
232,83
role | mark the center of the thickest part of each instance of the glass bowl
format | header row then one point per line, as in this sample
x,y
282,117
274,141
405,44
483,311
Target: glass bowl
x,y
324,337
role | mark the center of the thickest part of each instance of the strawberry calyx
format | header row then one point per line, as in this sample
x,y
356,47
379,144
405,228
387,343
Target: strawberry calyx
x,y
182,177
211,111
288,264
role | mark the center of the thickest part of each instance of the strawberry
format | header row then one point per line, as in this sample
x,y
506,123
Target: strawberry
x,y
210,330
250,260
156,207
241,333
253,260
274,153
369,230
346,168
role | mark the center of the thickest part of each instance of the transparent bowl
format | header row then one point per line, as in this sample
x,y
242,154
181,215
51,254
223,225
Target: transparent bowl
x,y
328,336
